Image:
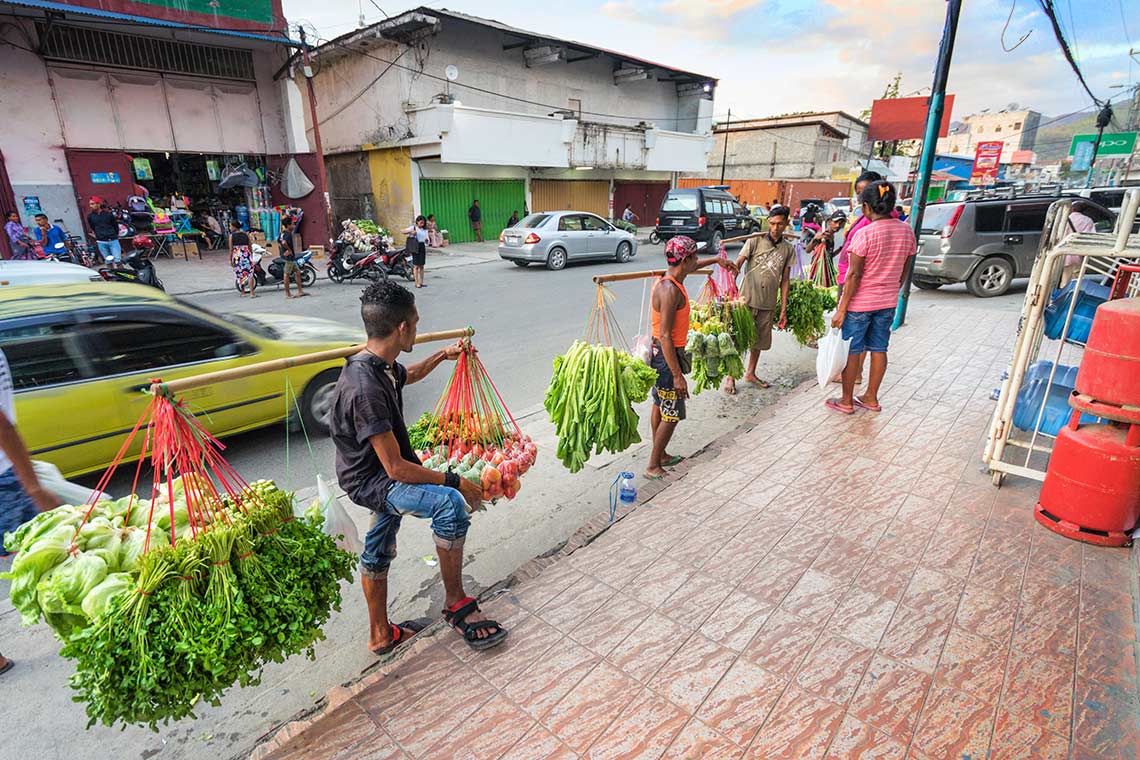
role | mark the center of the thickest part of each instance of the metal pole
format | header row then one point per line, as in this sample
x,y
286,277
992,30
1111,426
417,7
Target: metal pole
x,y
724,156
1102,120
929,144
323,177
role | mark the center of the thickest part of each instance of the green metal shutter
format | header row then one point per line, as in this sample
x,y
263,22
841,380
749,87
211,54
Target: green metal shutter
x,y
449,200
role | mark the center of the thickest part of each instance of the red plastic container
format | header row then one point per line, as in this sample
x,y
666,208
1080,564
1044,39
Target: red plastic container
x,y
1092,488
1110,369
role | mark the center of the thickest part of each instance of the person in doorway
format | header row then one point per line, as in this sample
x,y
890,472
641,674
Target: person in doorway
x,y
475,214
51,238
628,216
766,262
435,237
18,237
844,259
378,469
241,259
21,495
105,229
417,242
514,220
878,258
292,271
669,306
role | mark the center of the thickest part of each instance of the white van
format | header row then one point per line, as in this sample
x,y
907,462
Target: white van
x,y
21,273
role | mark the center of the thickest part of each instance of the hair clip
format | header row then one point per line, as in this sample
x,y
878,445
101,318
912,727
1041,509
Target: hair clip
x,y
884,189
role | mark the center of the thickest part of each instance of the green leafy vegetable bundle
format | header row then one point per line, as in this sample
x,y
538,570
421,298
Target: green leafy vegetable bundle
x,y
713,344
806,307
590,401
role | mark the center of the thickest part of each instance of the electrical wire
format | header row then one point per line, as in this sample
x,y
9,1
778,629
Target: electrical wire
x,y
1047,7
1004,29
357,97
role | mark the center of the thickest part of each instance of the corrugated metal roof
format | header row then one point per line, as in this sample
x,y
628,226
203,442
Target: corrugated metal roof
x,y
44,5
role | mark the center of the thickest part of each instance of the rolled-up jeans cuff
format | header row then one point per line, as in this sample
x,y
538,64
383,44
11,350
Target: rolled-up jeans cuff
x,y
449,544
374,575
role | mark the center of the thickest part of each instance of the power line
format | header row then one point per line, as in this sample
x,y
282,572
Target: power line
x,y
1047,7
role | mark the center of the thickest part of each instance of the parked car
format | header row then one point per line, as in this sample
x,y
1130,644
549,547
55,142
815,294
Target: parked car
x,y
760,214
554,238
842,203
1110,197
20,273
985,243
80,356
706,214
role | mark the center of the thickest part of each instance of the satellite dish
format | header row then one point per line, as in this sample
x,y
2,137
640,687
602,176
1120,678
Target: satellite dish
x,y
452,72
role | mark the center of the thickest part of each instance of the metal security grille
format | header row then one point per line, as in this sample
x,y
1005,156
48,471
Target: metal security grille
x,y
84,45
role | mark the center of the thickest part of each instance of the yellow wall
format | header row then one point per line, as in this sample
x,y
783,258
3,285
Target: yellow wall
x,y
391,170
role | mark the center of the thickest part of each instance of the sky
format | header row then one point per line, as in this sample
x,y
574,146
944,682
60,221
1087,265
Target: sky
x,y
780,56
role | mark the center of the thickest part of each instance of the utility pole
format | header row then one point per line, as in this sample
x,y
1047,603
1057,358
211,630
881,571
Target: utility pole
x,y
1102,120
929,144
724,156
323,178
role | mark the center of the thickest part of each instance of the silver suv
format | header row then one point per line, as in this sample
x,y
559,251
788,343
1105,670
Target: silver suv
x,y
985,243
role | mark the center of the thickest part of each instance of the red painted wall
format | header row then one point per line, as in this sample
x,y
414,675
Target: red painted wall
x,y
82,163
644,199
314,223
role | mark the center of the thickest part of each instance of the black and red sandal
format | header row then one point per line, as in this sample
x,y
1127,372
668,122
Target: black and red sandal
x,y
400,634
456,617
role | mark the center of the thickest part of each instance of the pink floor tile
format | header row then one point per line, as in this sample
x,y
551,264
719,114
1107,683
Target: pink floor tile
x,y
539,743
863,617
842,558
1109,610
998,572
890,697
1018,739
1040,691
578,601
885,575
782,643
658,582
695,600
740,703
954,724
699,742
489,732
435,717
800,727
642,732
543,684
915,639
584,714
1106,658
933,593
527,642
815,596
736,620
972,664
335,732
409,682
610,624
772,578
648,646
1106,720
858,741
1048,632
987,613
833,669
688,677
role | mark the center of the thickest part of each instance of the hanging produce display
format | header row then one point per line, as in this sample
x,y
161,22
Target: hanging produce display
x,y
806,306
712,345
590,400
165,602
823,272
365,234
471,433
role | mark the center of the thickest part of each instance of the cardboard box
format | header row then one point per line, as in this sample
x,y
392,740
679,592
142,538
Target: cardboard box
x,y
318,251
184,248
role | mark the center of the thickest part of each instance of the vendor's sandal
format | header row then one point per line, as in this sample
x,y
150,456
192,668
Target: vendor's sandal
x,y
7,666
456,617
673,461
869,407
760,383
400,634
834,405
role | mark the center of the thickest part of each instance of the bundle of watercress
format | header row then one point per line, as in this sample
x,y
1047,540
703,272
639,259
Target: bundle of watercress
x,y
806,307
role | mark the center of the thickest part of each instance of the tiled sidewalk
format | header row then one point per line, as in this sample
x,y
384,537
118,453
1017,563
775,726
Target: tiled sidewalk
x,y
826,587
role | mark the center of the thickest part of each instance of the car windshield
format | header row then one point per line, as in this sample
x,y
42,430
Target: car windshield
x,y
680,202
237,320
841,202
530,221
936,217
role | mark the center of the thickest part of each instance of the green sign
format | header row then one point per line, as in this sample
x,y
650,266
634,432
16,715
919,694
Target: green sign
x,y
212,170
142,169
1111,143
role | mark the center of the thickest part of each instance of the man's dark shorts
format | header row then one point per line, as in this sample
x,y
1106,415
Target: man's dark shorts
x,y
665,396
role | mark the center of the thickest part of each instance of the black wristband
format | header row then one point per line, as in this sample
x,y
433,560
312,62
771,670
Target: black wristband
x,y
451,480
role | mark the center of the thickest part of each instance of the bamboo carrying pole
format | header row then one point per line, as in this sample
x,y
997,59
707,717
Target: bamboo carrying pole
x,y
602,278
273,365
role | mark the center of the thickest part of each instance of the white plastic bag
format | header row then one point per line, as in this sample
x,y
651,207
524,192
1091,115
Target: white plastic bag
x,y
67,492
643,348
832,356
338,524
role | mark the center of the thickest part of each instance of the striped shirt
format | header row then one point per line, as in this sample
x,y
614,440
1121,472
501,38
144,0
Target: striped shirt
x,y
884,246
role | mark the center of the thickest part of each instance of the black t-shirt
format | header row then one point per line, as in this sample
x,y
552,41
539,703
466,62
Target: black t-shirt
x,y
286,241
104,224
239,238
368,401
476,213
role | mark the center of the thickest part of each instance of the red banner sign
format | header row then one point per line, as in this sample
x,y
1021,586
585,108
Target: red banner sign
x,y
905,118
987,160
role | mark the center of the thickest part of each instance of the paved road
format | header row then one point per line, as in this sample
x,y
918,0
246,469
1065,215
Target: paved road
x,y
524,318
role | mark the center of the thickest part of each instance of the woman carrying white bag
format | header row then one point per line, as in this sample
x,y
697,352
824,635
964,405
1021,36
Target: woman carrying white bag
x,y
879,253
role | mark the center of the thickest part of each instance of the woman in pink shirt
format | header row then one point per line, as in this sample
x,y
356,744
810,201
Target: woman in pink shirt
x,y
878,254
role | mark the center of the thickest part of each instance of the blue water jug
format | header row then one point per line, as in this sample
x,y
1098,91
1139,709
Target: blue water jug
x,y
624,491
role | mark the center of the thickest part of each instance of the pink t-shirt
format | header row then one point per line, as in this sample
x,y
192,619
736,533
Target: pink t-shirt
x,y
884,247
845,252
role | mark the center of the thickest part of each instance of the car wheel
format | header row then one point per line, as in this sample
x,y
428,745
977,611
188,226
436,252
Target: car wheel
x,y
556,259
715,241
308,276
317,401
926,284
522,264
334,273
990,278
654,238
624,253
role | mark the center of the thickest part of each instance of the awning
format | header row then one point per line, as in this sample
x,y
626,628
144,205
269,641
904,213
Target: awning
x,y
44,5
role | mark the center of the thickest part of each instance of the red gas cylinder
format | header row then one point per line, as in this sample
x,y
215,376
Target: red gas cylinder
x,y
1110,369
1092,487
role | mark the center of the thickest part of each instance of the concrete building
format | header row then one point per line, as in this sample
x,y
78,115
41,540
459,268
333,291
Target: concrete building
x,y
428,110
794,146
99,99
1015,129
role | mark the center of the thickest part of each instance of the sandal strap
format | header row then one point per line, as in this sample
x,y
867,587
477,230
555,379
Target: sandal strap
x,y
471,630
459,611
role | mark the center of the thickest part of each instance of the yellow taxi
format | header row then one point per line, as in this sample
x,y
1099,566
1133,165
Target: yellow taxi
x,y
81,355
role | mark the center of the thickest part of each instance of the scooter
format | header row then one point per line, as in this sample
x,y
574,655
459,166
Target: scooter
x,y
347,263
276,269
398,262
141,271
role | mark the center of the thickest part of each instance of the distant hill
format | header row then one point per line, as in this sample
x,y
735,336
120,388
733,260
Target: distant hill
x,y
1053,140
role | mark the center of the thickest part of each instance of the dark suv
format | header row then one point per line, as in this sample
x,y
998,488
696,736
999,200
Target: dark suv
x,y
708,214
986,242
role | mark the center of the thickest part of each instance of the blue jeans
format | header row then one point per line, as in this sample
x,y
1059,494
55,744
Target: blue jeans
x,y
869,330
110,250
445,507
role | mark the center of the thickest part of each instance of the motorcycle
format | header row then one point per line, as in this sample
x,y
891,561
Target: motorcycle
x,y
141,271
398,262
347,263
276,269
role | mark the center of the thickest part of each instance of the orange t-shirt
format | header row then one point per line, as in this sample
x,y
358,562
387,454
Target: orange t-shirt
x,y
680,324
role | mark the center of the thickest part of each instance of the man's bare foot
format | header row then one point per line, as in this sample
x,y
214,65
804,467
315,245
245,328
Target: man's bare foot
x,y
730,386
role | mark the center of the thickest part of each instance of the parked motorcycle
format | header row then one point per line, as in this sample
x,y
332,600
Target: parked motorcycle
x,y
276,269
347,263
398,261
140,270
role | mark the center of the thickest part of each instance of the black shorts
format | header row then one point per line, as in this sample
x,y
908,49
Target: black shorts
x,y
664,394
419,254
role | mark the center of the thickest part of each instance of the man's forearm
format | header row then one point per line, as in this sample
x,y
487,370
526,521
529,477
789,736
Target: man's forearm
x,y
420,370
414,474
701,263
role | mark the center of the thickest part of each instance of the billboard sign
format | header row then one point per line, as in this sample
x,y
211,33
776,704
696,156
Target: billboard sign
x,y
240,15
987,160
1082,157
1111,143
905,118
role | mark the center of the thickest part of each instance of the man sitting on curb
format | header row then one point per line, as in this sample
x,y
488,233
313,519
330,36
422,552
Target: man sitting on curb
x,y
377,467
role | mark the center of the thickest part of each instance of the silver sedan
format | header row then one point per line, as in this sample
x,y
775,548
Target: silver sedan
x,y
556,237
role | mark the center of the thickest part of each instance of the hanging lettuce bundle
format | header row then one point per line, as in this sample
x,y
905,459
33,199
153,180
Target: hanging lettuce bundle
x,y
806,306
713,346
168,601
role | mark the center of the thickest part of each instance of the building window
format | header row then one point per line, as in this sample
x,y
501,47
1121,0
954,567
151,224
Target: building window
x,y
576,106
997,129
1017,125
